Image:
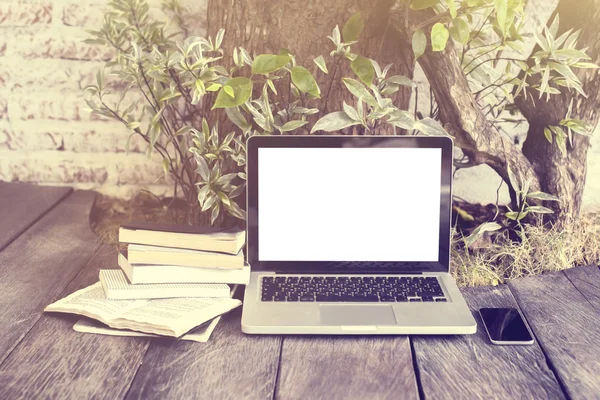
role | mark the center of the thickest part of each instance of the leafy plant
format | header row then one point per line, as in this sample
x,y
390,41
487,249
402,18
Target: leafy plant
x,y
169,90
487,33
195,106
525,207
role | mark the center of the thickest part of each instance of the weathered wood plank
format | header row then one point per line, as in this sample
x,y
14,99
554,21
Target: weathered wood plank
x,y
53,361
566,326
230,366
587,281
39,264
456,367
22,204
368,367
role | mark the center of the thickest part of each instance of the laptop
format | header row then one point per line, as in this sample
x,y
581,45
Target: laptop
x,y
351,235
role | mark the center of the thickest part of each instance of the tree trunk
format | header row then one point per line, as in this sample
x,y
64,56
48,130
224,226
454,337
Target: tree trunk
x,y
462,116
302,27
464,120
564,176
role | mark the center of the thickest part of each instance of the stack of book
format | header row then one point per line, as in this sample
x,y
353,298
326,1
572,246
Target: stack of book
x,y
173,282
170,254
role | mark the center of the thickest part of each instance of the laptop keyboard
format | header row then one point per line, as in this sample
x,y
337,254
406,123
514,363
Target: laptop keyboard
x,y
351,289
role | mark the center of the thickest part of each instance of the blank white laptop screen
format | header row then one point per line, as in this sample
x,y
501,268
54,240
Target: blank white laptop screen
x,y
349,204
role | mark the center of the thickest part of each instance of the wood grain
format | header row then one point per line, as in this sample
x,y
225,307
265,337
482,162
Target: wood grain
x,y
587,281
39,264
231,365
22,204
567,327
350,367
53,361
469,366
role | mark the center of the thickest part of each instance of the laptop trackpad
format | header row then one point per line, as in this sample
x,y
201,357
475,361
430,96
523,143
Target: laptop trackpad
x,y
357,314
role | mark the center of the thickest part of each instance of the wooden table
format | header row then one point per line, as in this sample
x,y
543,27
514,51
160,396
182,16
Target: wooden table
x,y
48,251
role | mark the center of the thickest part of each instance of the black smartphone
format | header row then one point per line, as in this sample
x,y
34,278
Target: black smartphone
x,y
505,326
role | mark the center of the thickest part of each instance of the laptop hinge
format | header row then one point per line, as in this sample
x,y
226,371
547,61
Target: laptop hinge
x,y
347,273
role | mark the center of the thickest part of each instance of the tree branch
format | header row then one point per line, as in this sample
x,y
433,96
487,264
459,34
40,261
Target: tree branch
x,y
464,119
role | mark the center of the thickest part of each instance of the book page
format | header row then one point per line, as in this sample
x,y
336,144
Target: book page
x,y
91,302
175,316
200,334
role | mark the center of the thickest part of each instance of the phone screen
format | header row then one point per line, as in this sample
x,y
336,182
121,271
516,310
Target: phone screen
x,y
505,325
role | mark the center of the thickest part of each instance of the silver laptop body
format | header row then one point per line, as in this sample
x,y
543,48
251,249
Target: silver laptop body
x,y
351,235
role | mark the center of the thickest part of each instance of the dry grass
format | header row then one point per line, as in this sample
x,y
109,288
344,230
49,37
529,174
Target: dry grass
x,y
542,250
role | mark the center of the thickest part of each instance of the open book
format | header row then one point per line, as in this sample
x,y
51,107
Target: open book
x,y
167,317
116,287
200,334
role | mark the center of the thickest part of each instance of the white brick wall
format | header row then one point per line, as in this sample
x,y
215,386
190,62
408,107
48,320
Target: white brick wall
x,y
46,136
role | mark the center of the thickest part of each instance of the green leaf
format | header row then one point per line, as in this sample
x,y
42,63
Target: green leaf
x,y
292,125
544,84
402,119
242,88
554,26
238,119
236,211
564,71
334,122
133,124
200,86
351,112
224,199
567,54
215,214
165,166
229,90
266,63
451,8
548,134
439,37
168,96
335,35
305,82
237,191
539,210
271,86
560,138
401,80
422,4
514,215
202,193
214,87
501,14
542,196
363,68
219,38
462,30
480,230
584,65
514,182
352,29
320,61
419,43
430,127
203,170
205,129
359,91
